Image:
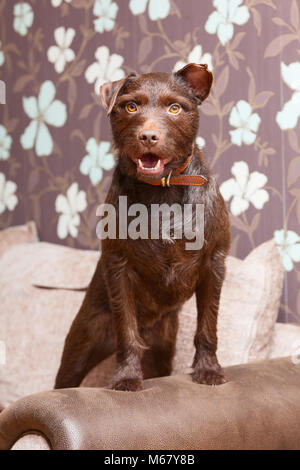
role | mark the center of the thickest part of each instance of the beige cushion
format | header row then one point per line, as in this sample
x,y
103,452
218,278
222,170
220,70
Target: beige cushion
x,y
16,235
31,441
248,310
286,341
35,320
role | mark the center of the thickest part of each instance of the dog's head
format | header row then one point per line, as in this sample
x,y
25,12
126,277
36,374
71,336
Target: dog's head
x,y
154,117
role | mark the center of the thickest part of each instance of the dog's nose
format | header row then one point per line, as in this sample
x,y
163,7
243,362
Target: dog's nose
x,y
149,137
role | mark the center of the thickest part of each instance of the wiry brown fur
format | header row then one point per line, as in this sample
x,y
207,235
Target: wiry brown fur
x,y
139,286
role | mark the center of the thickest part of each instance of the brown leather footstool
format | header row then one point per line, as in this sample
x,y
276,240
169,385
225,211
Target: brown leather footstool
x,y
259,408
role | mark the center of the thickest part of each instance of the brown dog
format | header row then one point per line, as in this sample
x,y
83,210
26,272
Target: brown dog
x,y
139,286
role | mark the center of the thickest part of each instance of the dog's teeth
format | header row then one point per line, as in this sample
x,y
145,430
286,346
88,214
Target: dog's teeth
x,y
140,163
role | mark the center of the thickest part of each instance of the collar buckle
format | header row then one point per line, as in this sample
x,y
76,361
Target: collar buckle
x,y
166,182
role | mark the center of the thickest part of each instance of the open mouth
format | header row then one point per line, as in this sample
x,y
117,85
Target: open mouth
x,y
150,164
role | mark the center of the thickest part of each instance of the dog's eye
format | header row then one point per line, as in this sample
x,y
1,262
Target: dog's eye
x,y
174,108
131,107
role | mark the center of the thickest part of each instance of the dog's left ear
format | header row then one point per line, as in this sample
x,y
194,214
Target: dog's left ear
x,y
109,91
198,78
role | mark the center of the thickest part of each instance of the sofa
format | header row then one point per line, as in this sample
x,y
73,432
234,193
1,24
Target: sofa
x,y
41,288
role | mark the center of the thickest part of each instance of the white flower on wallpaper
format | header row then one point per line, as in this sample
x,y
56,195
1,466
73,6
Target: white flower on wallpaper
x,y
69,207
106,10
157,9
62,53
288,243
228,13
5,143
42,110
288,117
98,158
200,142
57,3
246,123
244,188
196,56
23,18
8,198
2,56
106,69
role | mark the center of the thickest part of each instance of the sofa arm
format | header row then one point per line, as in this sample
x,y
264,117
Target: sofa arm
x,y
285,341
258,408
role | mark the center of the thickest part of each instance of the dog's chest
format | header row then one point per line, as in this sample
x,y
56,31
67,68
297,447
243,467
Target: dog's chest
x,y
175,270
166,277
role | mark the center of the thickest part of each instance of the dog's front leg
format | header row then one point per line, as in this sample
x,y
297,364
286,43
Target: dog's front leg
x,y
206,367
128,375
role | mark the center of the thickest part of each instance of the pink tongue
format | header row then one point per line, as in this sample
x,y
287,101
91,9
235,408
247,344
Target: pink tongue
x,y
149,160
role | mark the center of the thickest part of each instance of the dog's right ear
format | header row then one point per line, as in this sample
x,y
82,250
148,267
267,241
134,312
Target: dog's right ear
x,y
109,92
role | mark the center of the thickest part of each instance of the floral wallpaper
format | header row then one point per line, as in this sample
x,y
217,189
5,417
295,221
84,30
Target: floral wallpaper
x,y
56,158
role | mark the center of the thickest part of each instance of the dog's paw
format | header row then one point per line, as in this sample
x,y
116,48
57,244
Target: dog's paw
x,y
128,385
208,377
